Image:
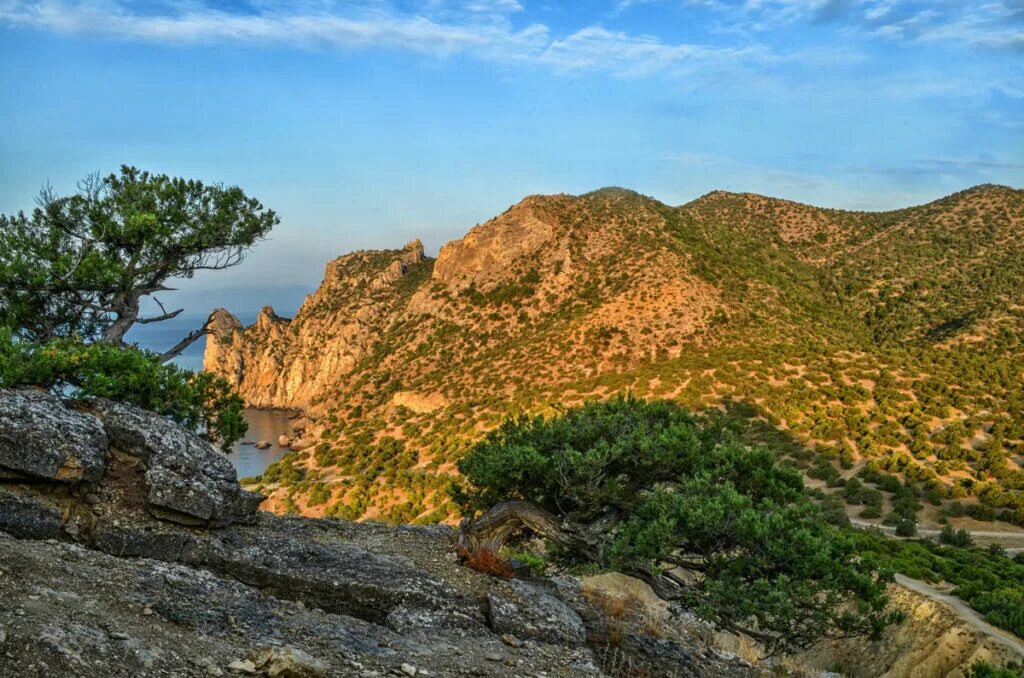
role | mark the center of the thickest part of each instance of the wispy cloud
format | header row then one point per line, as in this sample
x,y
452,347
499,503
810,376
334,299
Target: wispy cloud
x,y
981,23
479,28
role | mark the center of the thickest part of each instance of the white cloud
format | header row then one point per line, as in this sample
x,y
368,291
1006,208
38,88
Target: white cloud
x,y
995,24
479,28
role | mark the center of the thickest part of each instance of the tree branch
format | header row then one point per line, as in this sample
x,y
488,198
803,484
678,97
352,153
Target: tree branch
x,y
186,342
158,318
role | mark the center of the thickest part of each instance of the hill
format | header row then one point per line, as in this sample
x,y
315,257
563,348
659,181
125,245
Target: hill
x,y
879,352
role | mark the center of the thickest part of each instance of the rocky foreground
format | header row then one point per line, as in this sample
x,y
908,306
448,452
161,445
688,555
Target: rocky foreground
x,y
127,548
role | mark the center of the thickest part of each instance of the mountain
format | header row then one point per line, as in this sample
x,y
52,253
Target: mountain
x,y
881,344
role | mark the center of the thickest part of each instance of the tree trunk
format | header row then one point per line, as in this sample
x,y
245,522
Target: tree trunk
x,y
126,308
491,530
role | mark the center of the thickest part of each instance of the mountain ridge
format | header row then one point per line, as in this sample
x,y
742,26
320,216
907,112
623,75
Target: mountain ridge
x,y
564,297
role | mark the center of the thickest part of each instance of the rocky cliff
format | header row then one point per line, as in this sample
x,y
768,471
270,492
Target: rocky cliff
x,y
289,363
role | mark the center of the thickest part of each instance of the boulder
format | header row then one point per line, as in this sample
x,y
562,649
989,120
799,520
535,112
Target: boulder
x,y
41,438
528,612
263,445
300,560
187,479
283,441
28,517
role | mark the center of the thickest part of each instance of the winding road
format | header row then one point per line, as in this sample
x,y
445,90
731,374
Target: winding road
x,y
964,611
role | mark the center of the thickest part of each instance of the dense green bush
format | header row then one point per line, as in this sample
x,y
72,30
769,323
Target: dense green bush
x,y
201,402
980,669
669,488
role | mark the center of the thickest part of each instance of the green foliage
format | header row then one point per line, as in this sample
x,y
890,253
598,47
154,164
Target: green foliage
x,y
980,669
78,265
953,537
682,490
201,402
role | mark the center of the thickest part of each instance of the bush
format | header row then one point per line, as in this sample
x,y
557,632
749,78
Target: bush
x,y
650,486
201,402
906,527
954,537
980,669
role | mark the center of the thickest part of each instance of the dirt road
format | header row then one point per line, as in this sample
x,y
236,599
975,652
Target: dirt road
x,y
970,617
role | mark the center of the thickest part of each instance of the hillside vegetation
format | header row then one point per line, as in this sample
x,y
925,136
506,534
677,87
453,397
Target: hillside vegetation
x,y
878,353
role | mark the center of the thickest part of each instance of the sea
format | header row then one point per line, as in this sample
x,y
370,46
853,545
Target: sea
x,y
264,424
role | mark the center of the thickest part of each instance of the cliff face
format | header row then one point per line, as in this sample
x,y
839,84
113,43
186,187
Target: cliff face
x,y
933,641
285,363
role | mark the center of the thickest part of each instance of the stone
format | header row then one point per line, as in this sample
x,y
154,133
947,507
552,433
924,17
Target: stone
x,y
283,441
289,559
408,669
29,516
244,666
263,445
187,479
528,612
512,641
289,662
40,437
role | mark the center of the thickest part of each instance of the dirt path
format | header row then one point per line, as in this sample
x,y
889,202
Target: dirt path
x,y
968,615
1005,539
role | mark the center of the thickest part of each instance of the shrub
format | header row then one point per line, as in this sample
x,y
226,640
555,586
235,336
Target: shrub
x,y
201,402
643,486
954,537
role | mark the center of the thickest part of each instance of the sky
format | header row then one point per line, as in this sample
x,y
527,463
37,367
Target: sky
x,y
366,124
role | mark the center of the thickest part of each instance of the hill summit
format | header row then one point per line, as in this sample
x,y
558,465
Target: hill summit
x,y
883,343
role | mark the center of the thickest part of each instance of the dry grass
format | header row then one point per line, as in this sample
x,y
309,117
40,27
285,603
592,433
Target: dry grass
x,y
486,561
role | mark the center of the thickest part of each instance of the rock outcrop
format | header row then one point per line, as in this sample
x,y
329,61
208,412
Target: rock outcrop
x,y
292,364
488,249
158,564
39,438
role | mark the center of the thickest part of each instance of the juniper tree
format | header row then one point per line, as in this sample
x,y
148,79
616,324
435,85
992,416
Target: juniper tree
x,y
79,265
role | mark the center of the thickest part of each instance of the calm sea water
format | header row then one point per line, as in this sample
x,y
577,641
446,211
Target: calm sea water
x,y
263,424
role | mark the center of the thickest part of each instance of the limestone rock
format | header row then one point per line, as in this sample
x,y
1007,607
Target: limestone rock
x,y
41,438
530,613
419,403
28,516
284,363
289,662
187,479
487,249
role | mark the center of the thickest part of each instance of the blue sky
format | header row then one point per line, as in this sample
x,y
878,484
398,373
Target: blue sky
x,y
365,124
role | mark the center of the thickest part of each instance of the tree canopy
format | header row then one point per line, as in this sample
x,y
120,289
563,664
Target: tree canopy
x,y
79,265
674,498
